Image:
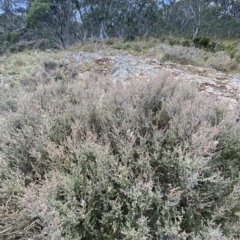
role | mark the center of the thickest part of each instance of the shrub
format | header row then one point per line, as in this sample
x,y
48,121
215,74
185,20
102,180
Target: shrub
x,y
179,54
173,41
91,45
13,49
109,41
13,37
197,41
50,65
130,38
43,44
25,45
186,43
8,100
87,159
237,57
221,61
137,47
204,42
231,49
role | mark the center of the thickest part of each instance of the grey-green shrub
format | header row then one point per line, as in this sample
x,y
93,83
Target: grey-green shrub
x,y
88,159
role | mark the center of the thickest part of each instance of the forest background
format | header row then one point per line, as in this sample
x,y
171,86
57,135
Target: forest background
x,y
66,22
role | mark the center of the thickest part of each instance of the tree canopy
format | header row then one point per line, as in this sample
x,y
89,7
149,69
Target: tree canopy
x,y
69,21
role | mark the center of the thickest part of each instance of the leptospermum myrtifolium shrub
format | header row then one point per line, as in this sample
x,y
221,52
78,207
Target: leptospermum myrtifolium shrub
x,y
94,159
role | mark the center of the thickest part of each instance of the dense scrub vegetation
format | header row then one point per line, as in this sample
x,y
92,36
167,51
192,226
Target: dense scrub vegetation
x,y
91,158
96,159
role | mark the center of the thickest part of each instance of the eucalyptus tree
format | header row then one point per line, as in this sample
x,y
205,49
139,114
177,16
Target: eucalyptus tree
x,y
13,13
70,21
189,15
219,18
121,18
55,19
12,23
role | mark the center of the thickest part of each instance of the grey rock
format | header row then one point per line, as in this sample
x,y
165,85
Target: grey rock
x,y
123,67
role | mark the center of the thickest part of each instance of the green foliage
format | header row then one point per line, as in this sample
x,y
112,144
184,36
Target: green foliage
x,y
129,38
13,49
109,42
72,21
87,159
172,41
231,49
53,19
186,43
237,57
205,43
25,45
12,37
39,9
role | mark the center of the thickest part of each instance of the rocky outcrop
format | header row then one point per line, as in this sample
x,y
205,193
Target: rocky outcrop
x,y
123,67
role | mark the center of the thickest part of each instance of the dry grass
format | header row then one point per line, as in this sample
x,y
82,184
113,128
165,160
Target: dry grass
x,y
16,66
220,60
170,49
178,54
